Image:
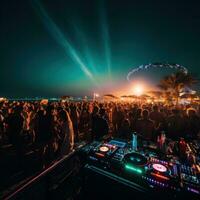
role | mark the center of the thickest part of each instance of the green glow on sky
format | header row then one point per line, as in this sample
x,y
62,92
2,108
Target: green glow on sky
x,y
61,39
105,37
86,50
77,47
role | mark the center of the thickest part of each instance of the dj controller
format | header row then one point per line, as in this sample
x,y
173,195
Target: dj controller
x,y
156,173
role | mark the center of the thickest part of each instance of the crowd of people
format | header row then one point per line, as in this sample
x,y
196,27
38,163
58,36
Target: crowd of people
x,y
52,129
62,122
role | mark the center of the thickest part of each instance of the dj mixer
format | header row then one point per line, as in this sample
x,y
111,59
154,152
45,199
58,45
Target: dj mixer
x,y
157,174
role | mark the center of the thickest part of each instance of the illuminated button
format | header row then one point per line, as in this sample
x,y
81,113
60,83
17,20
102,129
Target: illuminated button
x,y
104,149
159,167
134,169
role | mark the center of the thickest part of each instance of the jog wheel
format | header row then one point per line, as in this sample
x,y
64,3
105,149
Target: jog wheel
x,y
104,149
135,159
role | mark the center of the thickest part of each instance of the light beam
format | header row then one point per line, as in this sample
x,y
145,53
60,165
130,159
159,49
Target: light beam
x,y
138,90
87,51
60,38
106,39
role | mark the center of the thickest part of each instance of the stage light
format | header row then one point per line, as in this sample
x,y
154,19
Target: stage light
x,y
105,37
2,99
60,37
149,101
95,95
138,90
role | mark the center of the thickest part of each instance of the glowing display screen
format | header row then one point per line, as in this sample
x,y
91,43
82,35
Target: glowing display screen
x,y
117,143
159,167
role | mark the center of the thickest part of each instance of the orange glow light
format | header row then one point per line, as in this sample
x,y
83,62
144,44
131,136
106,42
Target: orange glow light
x,y
160,176
138,90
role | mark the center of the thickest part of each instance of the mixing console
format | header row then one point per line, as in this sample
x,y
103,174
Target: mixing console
x,y
144,167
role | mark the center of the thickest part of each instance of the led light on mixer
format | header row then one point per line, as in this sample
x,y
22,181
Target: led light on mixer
x,y
104,149
99,154
193,190
137,170
159,167
160,176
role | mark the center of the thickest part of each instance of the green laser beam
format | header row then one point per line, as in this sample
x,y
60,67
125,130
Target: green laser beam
x,y
106,38
87,50
60,38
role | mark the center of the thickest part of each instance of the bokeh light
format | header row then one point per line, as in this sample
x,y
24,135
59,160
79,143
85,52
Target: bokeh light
x,y
138,89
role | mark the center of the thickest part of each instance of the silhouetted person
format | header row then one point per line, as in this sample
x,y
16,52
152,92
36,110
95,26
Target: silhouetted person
x,y
39,127
14,123
192,123
102,125
145,126
66,132
94,121
84,119
175,125
1,127
119,117
115,119
125,130
136,116
156,116
75,120
44,130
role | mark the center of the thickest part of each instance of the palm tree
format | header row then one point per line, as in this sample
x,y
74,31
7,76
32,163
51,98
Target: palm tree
x,y
174,83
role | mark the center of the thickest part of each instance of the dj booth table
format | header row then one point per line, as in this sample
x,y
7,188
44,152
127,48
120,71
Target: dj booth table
x,y
111,170
101,184
115,171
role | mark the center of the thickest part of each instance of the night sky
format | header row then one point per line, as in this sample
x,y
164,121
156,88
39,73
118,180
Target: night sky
x,y
75,47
